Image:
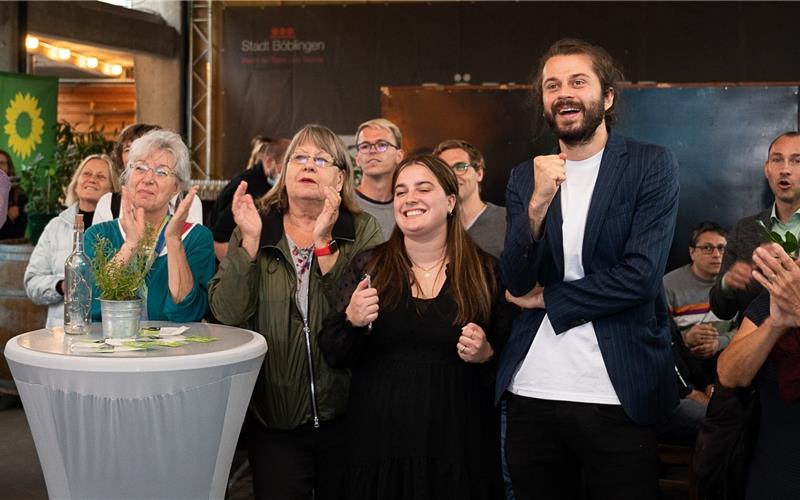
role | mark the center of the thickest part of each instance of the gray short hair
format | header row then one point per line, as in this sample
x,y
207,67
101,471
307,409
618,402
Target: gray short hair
x,y
162,140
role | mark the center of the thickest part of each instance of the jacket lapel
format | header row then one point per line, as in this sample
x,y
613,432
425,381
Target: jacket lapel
x,y
612,166
555,220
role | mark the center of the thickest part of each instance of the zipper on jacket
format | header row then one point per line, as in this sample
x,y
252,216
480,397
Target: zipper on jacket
x,y
307,333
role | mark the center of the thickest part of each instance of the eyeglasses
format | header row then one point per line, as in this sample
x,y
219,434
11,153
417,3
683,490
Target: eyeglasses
x,y
461,167
380,146
709,249
302,160
142,168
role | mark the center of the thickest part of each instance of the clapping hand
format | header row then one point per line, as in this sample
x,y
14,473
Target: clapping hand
x,y
131,218
246,216
363,308
323,229
174,228
780,275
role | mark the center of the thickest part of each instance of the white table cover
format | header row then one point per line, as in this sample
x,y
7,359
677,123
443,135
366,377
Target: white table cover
x,y
160,424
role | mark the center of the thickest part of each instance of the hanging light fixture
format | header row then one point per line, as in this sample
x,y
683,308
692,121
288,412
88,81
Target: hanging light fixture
x,y
65,55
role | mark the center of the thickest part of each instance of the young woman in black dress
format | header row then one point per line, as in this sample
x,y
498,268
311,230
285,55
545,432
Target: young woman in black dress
x,y
419,320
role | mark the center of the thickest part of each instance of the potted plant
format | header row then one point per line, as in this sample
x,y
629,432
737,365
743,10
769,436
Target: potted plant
x,y
121,285
45,181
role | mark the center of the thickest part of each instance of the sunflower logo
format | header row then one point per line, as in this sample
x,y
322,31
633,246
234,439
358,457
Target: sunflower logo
x,y
24,124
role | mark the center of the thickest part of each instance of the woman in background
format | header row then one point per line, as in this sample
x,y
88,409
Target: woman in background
x,y
17,219
44,276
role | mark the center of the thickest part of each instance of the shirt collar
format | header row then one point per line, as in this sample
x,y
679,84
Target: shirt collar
x,y
773,217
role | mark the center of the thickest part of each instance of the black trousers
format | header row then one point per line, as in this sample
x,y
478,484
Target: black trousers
x,y
556,448
296,464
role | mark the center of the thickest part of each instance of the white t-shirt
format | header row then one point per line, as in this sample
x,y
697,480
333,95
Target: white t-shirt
x,y
569,366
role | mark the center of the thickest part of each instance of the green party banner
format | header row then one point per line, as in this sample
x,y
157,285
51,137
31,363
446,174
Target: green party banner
x,y
27,116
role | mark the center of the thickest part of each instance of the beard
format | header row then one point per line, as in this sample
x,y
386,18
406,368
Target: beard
x,y
581,133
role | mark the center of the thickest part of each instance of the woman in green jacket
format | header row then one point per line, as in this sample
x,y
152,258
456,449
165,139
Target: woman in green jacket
x,y
279,278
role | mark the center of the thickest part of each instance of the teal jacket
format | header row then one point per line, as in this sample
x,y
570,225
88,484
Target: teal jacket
x,y
260,295
199,247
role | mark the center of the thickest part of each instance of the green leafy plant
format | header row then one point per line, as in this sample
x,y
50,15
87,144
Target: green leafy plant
x,y
118,281
45,181
788,241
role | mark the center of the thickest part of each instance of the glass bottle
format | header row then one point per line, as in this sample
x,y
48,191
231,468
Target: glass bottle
x,y
78,282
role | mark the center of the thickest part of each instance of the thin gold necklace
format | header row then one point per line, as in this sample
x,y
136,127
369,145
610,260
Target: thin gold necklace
x,y
427,271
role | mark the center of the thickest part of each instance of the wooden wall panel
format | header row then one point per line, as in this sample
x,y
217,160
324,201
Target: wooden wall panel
x,y
91,106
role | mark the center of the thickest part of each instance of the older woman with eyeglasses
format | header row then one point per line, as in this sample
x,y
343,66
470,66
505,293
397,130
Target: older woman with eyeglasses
x,y
279,277
44,276
181,253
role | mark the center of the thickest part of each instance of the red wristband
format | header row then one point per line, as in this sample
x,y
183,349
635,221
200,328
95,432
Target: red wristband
x,y
328,249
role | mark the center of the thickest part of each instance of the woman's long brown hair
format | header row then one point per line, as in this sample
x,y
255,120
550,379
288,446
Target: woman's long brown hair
x,y
471,274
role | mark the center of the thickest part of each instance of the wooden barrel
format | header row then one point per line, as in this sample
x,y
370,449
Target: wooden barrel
x,y
17,313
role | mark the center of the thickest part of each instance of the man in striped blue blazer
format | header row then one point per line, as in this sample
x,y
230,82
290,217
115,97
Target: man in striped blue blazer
x,y
587,369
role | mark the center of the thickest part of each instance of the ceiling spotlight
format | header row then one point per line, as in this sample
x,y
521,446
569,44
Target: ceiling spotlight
x,y
91,62
116,69
31,42
64,53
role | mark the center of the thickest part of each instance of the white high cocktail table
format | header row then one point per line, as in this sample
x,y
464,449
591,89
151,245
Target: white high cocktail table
x,y
160,424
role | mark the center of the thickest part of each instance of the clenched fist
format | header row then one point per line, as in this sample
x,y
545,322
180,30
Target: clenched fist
x,y
549,172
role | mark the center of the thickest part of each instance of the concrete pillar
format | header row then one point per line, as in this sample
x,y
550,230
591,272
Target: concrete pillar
x,y
159,84
158,91
9,36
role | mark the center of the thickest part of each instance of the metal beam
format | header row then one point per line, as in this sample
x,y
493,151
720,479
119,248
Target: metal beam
x,y
200,87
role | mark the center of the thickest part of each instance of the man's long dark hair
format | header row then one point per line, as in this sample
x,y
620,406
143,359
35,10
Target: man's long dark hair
x,y
607,70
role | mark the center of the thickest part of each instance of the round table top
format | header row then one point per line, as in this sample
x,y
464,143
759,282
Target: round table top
x,y
50,348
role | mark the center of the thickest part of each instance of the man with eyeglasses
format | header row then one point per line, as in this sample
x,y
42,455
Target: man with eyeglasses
x,y
735,287
698,335
483,221
688,288
378,153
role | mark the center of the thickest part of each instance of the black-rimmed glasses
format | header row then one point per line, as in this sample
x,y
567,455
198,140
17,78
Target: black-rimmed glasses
x,y
379,146
709,249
